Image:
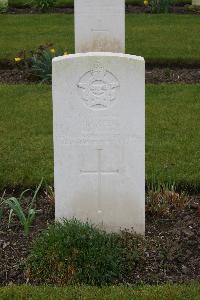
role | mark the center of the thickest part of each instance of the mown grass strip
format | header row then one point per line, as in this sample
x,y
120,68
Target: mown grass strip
x,y
165,292
172,135
160,39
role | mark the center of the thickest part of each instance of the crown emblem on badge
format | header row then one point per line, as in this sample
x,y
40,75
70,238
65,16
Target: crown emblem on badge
x,y
98,88
98,72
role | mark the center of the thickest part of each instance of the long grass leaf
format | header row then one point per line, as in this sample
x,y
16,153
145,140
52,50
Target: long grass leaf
x,y
35,194
14,204
10,217
22,194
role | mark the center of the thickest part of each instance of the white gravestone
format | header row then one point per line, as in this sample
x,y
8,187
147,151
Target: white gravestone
x,y
99,26
196,2
99,139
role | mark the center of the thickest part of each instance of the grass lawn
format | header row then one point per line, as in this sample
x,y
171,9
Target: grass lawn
x,y
166,38
172,135
165,292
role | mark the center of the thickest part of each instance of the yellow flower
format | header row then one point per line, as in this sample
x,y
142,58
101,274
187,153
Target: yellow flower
x,y
146,2
65,53
18,59
52,50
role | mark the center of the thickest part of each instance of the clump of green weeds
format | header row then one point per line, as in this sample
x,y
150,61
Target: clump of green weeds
x,y
25,216
38,64
160,6
3,6
165,200
44,5
73,252
194,8
41,62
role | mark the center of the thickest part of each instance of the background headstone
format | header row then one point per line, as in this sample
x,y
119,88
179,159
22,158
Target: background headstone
x,y
196,2
99,139
99,26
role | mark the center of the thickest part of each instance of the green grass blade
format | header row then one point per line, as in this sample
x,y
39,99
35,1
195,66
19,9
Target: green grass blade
x,y
1,214
35,194
31,216
22,194
10,217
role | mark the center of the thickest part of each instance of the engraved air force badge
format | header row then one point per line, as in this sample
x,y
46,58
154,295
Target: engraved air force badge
x,y
98,88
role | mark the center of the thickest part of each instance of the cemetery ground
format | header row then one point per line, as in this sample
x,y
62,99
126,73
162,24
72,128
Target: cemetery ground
x,y
171,155
158,38
170,251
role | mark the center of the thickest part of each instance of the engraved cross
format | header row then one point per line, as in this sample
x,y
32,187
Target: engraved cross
x,y
100,27
99,172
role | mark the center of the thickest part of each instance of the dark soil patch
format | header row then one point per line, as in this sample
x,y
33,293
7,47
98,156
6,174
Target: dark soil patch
x,y
31,10
171,247
172,253
177,9
172,75
14,246
153,75
14,76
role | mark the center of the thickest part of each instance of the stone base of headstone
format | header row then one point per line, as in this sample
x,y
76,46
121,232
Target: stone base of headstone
x,y
99,139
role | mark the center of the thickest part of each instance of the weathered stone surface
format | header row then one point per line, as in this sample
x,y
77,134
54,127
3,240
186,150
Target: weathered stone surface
x,y
99,26
99,139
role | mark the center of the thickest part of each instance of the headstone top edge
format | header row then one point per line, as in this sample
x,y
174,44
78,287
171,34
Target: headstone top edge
x,y
98,54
